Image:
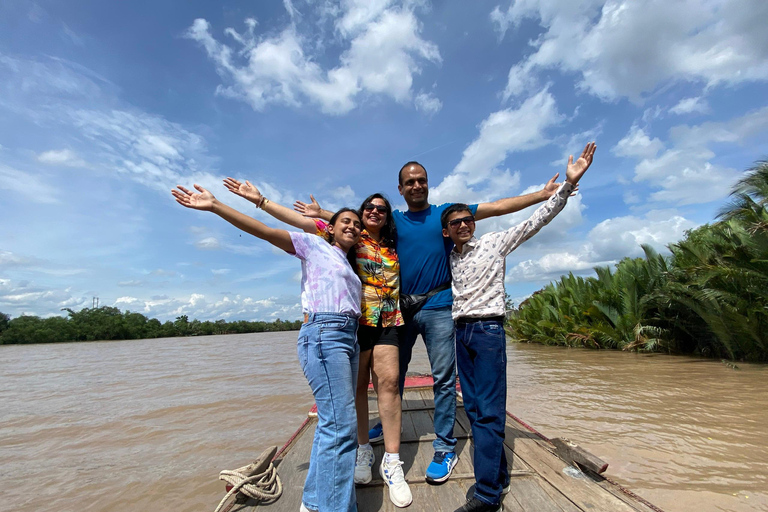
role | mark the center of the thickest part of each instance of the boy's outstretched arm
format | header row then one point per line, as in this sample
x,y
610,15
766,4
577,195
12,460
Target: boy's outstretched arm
x,y
517,203
250,192
518,234
205,201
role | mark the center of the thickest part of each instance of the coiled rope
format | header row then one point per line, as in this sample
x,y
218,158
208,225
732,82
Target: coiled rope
x,y
258,480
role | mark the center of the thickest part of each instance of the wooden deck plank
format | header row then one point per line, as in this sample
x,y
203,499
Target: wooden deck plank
x,y
581,491
536,495
538,483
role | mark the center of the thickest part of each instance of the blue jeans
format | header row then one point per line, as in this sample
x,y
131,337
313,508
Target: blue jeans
x,y
328,354
437,330
482,361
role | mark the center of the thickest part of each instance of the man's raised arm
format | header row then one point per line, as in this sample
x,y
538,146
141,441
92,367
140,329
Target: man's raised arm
x,y
517,203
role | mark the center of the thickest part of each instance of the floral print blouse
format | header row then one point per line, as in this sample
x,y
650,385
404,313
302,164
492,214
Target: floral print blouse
x,y
379,270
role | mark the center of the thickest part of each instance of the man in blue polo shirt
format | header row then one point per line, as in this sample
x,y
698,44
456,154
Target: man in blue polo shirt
x,y
423,253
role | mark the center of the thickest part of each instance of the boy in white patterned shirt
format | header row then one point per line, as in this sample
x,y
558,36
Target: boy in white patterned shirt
x,y
477,269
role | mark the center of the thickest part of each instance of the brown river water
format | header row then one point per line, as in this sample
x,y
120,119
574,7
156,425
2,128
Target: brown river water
x,y
148,424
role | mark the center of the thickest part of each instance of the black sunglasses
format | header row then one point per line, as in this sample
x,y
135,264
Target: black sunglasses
x,y
455,223
379,207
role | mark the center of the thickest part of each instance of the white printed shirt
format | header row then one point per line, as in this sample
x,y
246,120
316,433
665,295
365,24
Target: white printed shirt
x,y
478,270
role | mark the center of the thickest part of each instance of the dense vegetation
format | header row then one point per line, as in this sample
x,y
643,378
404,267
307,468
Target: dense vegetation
x,y
710,297
107,323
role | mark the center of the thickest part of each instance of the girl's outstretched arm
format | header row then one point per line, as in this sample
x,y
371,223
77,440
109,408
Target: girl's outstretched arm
x,y
205,201
278,211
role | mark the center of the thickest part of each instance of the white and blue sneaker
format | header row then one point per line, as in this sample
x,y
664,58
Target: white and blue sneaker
x,y
441,466
399,492
363,465
376,434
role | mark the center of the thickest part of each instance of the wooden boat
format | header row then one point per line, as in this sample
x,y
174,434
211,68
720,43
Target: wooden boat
x,y
541,479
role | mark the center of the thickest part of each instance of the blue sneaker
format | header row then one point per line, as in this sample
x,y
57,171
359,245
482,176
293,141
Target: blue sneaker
x,y
441,466
376,434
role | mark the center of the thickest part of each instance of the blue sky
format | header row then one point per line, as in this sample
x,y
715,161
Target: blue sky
x,y
105,106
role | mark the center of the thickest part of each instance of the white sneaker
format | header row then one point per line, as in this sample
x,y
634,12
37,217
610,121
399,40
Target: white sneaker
x,y
304,508
363,466
399,492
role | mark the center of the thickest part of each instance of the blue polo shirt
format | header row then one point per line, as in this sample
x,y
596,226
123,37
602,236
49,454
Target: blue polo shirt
x,y
423,253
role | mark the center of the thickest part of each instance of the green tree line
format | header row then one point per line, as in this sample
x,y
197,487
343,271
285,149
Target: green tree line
x,y
108,323
709,297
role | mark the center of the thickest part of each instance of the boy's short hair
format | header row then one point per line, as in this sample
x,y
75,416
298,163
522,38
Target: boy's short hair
x,y
455,207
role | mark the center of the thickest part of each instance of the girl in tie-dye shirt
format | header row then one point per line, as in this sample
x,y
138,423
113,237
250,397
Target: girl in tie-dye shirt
x,y
327,345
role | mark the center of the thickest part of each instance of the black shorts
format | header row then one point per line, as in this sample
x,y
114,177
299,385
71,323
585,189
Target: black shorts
x,y
368,337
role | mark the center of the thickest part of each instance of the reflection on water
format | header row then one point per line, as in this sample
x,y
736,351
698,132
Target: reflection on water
x,y
148,424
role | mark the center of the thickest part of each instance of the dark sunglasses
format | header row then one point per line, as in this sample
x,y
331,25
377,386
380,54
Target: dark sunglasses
x,y
455,223
379,207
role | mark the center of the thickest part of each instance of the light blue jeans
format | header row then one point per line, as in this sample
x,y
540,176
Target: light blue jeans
x,y
328,354
437,329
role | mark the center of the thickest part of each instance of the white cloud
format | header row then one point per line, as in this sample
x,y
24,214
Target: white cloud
x,y
203,307
607,243
208,244
383,55
478,176
691,105
65,157
620,237
684,173
626,48
145,148
638,144
428,104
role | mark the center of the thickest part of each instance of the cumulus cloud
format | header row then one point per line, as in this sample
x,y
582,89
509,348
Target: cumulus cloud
x,y
607,243
24,297
478,176
204,307
683,172
384,52
626,48
428,104
638,144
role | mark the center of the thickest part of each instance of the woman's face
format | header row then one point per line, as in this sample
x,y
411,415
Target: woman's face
x,y
346,230
373,219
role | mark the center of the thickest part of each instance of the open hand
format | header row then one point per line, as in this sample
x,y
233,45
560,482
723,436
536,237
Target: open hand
x,y
312,209
201,200
551,187
576,170
245,190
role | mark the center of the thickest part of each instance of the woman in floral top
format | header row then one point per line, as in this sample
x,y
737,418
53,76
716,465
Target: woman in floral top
x,y
378,268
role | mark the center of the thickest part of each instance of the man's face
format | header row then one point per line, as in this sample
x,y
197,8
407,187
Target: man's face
x,y
414,187
461,227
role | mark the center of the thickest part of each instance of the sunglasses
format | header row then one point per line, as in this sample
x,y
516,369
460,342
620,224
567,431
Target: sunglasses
x,y
455,223
379,207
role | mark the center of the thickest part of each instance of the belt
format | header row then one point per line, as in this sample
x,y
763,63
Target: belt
x,y
471,319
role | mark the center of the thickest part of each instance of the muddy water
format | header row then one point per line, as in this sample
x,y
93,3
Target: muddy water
x,y
148,424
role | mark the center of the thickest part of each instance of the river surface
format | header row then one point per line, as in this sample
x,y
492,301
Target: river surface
x,y
148,424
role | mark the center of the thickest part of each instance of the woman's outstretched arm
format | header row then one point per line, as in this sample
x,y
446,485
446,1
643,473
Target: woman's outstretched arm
x,y
312,209
278,211
205,201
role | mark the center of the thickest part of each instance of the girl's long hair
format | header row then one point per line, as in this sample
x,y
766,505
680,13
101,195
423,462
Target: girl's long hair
x,y
388,230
